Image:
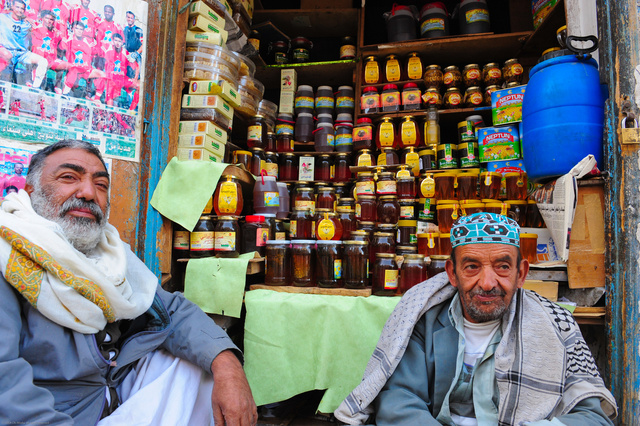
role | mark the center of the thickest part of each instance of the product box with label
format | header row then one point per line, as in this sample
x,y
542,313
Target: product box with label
x,y
288,80
306,169
208,101
199,140
219,87
506,105
499,143
199,8
214,37
201,154
504,167
203,127
286,102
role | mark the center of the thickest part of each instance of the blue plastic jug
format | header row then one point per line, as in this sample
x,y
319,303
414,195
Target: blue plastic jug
x,y
562,113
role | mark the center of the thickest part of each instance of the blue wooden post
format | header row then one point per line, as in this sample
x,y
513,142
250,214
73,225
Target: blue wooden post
x,y
620,54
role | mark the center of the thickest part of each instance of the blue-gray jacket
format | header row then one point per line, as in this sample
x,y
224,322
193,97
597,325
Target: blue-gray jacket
x,y
52,375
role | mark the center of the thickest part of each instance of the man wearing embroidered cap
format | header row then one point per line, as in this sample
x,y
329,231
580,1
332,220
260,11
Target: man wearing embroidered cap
x,y
471,347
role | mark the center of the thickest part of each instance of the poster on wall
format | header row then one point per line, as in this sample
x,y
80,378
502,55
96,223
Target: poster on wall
x,y
73,69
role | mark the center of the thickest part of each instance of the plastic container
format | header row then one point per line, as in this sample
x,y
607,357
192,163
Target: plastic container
x,y
447,212
329,263
324,137
303,130
304,100
388,157
516,185
529,247
255,234
401,24
490,185
411,97
227,64
371,70
429,243
363,134
413,69
266,195
284,132
210,114
227,198
445,186
534,218
473,17
386,136
563,102
303,259
195,71
278,263
518,211
434,20
344,136
283,192
324,100
392,69
345,100
247,67
390,98
369,100
301,50
467,184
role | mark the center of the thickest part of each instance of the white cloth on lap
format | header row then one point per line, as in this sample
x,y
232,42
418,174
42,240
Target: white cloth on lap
x,y
163,390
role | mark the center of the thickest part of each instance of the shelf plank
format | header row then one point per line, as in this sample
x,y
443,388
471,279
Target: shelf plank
x,y
462,49
311,22
334,74
365,292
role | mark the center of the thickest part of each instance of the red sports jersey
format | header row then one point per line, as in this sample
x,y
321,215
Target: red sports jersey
x,y
62,11
116,62
45,42
32,9
88,17
105,32
79,52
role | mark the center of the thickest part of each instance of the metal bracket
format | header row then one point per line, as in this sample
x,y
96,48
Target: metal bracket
x,y
145,126
629,135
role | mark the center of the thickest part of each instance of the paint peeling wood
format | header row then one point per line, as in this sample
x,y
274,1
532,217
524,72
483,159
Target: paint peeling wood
x,y
619,55
125,182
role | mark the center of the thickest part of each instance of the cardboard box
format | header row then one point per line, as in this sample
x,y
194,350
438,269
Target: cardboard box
x,y
506,105
219,38
203,127
202,24
201,9
200,154
306,169
208,101
286,102
220,87
288,80
200,140
548,289
585,266
499,143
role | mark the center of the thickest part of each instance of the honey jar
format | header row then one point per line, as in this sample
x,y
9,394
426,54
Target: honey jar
x,y
447,213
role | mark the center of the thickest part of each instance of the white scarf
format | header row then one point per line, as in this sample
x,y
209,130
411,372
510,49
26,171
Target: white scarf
x,y
75,291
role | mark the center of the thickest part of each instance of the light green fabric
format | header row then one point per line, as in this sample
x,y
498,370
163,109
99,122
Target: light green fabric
x,y
184,189
295,343
217,285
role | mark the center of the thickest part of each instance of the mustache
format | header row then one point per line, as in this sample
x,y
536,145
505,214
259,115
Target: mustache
x,y
79,203
493,292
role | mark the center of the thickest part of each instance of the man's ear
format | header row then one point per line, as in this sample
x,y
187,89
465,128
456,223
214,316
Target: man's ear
x,y
28,188
453,279
523,270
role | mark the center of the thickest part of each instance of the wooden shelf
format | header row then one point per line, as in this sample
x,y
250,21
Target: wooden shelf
x,y
446,115
462,50
311,23
334,74
544,37
365,292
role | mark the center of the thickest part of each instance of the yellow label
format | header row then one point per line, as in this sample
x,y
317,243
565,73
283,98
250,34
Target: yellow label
x,y
431,242
293,228
365,188
332,171
358,210
326,229
487,180
201,241
364,160
371,73
208,207
406,211
503,210
311,205
228,198
393,70
313,229
281,236
428,187
454,213
337,269
386,187
414,68
390,279
404,173
386,134
382,159
409,134
272,169
254,133
181,240
225,241
413,161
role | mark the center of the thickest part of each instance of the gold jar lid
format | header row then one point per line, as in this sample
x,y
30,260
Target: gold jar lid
x,y
386,255
451,68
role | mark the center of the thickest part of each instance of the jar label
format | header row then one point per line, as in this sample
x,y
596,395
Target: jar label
x,y
311,205
390,279
345,102
208,207
365,188
347,51
477,15
262,235
313,229
281,58
181,240
386,134
487,180
228,198
369,101
413,238
472,74
428,187
337,269
448,78
409,135
332,172
517,69
300,55
304,102
393,70
281,236
411,97
454,213
293,229
431,24
391,99
254,133
454,99
358,211
371,73
263,165
382,159
284,129
386,187
326,229
255,43
324,102
431,241
330,139
406,211
413,161
431,98
344,139
364,133
225,241
271,199
414,68
475,98
272,170
494,73
364,160
201,241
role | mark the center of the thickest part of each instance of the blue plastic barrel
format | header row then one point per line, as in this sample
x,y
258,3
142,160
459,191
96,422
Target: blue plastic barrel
x,y
562,116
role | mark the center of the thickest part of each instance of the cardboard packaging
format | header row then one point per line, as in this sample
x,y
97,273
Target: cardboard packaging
x,y
506,105
220,87
199,8
208,101
499,143
203,127
215,37
200,154
199,140
286,102
306,169
548,289
288,80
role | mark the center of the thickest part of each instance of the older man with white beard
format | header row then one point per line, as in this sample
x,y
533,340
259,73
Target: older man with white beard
x,y
88,335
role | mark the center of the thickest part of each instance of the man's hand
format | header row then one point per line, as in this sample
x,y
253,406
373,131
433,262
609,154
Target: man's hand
x,y
231,397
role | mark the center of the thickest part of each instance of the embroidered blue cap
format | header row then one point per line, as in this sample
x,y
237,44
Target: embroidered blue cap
x,y
485,228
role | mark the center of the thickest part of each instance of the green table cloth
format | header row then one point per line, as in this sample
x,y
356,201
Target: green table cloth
x,y
295,343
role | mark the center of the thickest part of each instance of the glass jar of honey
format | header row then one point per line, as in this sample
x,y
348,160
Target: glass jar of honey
x,y
437,265
242,157
429,243
467,184
447,156
329,263
227,199
381,242
271,164
342,173
433,77
452,98
322,171
473,97
355,270
512,71
445,185
427,209
385,275
278,263
518,211
326,198
303,259
447,213
346,201
516,185
392,69
529,247
258,161
371,70
300,223
365,184
407,232
427,160
534,218
445,244
487,93
491,74
402,251
366,208
411,96
495,206
406,188
360,235
227,233
328,226
388,209
432,98
348,221
468,154
386,136
471,75
452,77
386,184
305,198
490,185
408,209
414,271
202,238
288,166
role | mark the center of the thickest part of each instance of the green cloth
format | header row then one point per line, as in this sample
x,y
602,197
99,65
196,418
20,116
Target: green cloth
x,y
294,343
184,189
217,285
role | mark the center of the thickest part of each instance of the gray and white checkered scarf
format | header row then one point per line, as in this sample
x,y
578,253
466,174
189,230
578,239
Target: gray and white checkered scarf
x,y
543,365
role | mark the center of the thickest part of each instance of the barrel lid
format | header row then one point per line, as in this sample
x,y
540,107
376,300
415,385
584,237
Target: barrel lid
x,y
433,5
278,242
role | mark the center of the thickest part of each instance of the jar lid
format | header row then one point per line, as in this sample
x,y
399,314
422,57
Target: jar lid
x,y
370,58
491,65
433,67
440,256
496,174
277,242
493,203
271,153
227,217
304,188
426,152
390,87
386,255
304,242
532,202
323,211
345,88
410,86
446,204
516,202
325,88
528,235
433,90
513,174
254,218
287,154
407,201
388,197
257,149
239,151
391,56
513,60
406,248
382,234
472,89
355,243
205,217
472,205
365,174
344,209
424,200
335,242
305,114
326,188
269,178
299,209
407,223
428,234
366,197
451,68
445,174
453,89
469,66
366,223
383,226
474,173
346,199
416,256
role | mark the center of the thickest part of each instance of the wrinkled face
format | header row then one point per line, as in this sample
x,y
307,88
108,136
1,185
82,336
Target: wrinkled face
x,y
487,276
48,22
74,192
130,19
108,13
